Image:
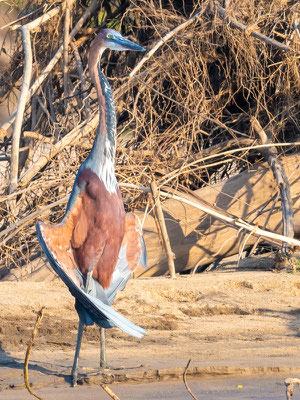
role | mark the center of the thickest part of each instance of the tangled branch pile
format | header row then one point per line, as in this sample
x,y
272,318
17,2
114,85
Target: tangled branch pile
x,y
192,96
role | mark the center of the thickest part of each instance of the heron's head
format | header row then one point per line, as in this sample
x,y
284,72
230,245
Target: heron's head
x,y
111,39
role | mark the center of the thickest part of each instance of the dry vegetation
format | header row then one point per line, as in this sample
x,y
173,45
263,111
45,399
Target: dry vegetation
x,y
195,95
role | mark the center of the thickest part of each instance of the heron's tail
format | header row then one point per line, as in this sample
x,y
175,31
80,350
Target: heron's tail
x,y
96,307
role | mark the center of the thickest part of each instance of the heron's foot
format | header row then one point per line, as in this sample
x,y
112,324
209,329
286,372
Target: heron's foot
x,y
104,364
74,376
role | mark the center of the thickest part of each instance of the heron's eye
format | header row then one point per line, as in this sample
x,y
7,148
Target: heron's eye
x,y
108,36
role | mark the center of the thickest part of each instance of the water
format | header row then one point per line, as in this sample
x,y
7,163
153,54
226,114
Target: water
x,y
265,388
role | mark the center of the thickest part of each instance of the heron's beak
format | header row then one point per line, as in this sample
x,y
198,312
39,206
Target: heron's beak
x,y
125,44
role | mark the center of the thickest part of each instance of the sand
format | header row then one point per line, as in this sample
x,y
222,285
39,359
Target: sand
x,y
232,322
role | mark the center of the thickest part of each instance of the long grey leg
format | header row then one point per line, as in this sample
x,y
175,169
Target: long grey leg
x,y
79,336
75,362
103,359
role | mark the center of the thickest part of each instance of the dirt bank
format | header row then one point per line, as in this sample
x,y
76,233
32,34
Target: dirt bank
x,y
248,318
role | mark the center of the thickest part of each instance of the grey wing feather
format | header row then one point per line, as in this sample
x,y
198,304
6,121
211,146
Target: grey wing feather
x,y
122,273
120,276
143,259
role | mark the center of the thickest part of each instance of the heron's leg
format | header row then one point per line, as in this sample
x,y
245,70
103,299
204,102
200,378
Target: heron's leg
x,y
103,359
79,335
75,362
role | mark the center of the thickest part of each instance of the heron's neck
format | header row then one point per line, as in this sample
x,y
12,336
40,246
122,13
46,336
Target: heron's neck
x,y
102,156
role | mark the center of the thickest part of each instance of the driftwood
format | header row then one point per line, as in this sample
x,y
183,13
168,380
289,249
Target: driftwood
x,y
109,391
197,238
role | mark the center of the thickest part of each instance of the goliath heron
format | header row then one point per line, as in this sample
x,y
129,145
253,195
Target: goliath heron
x,y
96,246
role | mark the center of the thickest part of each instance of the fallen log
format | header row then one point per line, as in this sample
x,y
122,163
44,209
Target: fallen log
x,y
197,238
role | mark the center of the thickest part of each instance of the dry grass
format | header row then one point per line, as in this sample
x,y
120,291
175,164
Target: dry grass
x,y
198,90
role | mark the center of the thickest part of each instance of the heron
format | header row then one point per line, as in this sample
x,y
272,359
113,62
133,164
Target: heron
x,y
96,246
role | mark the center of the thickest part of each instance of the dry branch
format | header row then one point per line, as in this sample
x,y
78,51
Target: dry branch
x,y
163,40
25,30
289,383
231,219
185,381
14,25
31,26
72,136
161,220
270,154
14,228
66,40
234,221
296,27
238,25
14,162
39,318
45,110
37,136
260,147
109,391
53,62
82,80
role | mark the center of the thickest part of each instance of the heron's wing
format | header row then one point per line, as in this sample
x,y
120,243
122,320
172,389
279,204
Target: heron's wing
x,y
132,252
58,239
95,306
134,242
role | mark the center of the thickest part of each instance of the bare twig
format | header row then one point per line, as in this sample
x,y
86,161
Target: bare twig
x,y
82,80
109,391
296,27
66,40
40,315
253,248
289,384
45,139
225,153
14,228
185,381
235,24
45,111
40,20
19,19
205,117
53,61
74,135
163,40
